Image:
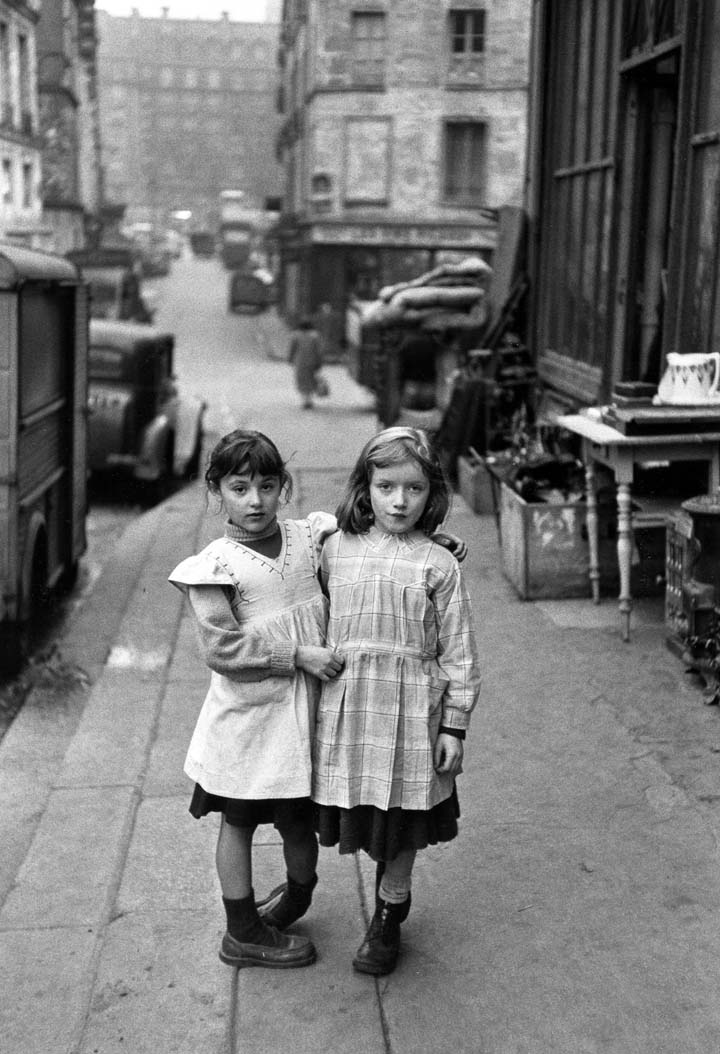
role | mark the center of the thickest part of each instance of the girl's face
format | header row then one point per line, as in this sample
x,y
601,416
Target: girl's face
x,y
398,495
251,501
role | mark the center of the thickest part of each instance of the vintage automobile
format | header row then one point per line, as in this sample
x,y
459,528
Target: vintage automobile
x,y
202,243
141,426
250,292
115,288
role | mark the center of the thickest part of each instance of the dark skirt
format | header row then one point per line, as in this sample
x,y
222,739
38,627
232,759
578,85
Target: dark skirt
x,y
246,812
383,834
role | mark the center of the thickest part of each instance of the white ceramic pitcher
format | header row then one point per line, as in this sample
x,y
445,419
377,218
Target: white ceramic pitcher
x,y
691,380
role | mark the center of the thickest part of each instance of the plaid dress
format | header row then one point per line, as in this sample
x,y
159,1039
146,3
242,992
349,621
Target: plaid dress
x,y
400,614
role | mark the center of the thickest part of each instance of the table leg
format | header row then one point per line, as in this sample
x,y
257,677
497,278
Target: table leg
x,y
624,552
591,519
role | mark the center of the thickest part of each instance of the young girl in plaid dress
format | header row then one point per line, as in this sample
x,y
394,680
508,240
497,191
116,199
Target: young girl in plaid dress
x,y
390,727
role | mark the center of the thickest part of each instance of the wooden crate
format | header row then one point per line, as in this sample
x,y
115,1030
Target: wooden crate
x,y
545,551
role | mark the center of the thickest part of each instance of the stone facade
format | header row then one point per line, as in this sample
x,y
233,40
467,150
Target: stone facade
x,y
71,171
405,128
187,110
20,158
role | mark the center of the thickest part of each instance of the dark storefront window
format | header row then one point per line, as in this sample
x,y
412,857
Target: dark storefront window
x,y
647,25
363,277
698,319
574,281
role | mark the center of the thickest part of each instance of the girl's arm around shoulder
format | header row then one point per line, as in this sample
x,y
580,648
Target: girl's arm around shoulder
x,y
322,526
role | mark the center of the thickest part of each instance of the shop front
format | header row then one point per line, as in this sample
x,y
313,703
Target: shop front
x,y
334,262
624,210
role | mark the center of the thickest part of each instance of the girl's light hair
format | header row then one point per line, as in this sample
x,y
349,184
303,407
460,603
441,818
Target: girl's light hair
x,y
246,451
391,447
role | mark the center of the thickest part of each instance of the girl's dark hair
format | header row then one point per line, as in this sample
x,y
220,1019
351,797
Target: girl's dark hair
x,y
246,451
390,447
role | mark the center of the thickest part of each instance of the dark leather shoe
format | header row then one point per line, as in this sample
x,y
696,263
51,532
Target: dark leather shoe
x,y
378,953
276,951
286,903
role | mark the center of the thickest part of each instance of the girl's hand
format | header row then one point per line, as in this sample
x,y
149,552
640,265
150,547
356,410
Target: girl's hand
x,y
448,754
323,663
457,546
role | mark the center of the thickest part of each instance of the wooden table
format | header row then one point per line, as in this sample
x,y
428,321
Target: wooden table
x,y
604,445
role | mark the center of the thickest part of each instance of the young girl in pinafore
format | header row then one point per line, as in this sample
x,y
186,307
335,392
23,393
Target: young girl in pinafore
x,y
261,620
390,727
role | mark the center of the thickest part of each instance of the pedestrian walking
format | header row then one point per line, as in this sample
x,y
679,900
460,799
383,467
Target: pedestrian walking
x,y
305,355
390,727
261,620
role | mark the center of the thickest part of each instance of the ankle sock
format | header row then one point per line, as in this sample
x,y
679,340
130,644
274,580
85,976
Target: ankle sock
x,y
392,896
243,921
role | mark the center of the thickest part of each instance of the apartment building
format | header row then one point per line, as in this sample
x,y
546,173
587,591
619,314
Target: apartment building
x,y
187,109
404,130
20,155
69,125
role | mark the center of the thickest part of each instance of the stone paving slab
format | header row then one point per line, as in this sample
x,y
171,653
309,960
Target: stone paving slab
x,y
160,988
69,875
111,742
47,975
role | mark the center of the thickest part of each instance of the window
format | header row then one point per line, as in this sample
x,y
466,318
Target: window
x,y
5,87
27,185
467,32
7,181
368,47
465,161
25,85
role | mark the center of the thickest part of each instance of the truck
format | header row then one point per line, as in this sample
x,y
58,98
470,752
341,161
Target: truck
x,y
237,231
43,439
244,232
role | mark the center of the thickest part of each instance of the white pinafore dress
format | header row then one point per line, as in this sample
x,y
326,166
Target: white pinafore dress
x,y
253,736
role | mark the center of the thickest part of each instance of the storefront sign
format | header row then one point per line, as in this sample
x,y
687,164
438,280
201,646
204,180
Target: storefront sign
x,y
400,234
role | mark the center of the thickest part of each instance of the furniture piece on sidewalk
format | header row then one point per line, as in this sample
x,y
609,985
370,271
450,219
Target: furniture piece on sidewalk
x,y
678,435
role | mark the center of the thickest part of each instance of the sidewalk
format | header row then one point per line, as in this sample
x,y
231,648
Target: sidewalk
x,y
578,911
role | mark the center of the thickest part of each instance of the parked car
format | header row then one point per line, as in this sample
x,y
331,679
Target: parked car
x,y
202,243
43,486
141,425
250,292
115,288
